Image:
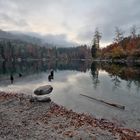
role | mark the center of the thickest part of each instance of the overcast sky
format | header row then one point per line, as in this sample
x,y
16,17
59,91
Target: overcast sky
x,y
70,20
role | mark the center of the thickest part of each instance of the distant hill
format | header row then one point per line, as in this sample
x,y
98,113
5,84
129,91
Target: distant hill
x,y
19,36
37,39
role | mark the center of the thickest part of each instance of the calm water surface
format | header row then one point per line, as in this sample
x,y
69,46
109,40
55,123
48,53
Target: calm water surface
x,y
112,83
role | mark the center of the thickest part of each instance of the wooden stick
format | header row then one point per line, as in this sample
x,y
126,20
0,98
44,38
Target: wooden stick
x,y
111,104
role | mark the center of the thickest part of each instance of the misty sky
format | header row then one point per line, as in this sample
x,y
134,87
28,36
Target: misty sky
x,y
70,20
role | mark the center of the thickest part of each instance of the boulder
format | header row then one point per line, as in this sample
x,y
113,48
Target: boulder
x,y
43,90
40,99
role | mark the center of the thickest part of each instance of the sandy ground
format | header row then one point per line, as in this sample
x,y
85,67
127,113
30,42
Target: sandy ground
x,y
21,119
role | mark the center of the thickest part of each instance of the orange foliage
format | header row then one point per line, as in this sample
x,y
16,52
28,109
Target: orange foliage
x,y
130,47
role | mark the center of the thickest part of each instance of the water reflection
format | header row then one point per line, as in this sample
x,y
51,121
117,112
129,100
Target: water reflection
x,y
28,67
11,78
117,73
51,76
118,84
3,67
95,74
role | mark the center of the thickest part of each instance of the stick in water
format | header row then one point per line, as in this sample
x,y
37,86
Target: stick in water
x,y
111,104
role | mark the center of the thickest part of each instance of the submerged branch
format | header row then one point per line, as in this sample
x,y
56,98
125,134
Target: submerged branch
x,y
111,104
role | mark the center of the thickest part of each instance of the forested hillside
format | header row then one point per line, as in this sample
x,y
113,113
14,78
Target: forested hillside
x,y
20,36
16,49
123,47
128,48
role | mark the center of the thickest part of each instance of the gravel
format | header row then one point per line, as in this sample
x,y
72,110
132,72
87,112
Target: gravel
x,y
21,119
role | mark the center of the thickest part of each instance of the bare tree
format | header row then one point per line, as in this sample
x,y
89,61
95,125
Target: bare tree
x,y
118,35
133,31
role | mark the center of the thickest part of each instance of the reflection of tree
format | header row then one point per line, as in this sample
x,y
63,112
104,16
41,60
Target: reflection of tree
x,y
3,67
129,84
30,67
13,67
123,72
2,51
114,74
95,73
137,85
73,65
116,81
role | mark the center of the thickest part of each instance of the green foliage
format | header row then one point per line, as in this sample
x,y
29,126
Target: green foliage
x,y
94,51
95,43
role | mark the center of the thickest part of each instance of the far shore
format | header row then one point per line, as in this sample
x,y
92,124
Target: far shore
x,y
108,60
123,61
22,119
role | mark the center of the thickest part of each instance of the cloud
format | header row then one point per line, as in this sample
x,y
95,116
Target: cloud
x,y
77,19
85,34
17,22
107,15
10,17
59,40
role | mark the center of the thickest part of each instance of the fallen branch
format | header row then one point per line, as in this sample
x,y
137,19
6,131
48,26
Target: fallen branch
x,y
111,104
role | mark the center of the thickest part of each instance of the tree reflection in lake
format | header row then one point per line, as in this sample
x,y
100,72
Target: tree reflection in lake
x,y
3,67
95,74
123,72
117,73
80,77
32,67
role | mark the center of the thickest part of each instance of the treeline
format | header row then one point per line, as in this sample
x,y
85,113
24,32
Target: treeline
x,y
129,49
123,47
15,49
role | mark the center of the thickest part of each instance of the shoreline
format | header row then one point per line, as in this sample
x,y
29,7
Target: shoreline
x,y
22,119
119,61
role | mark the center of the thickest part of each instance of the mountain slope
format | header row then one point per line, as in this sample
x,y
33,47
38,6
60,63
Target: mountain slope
x,y
21,37
50,40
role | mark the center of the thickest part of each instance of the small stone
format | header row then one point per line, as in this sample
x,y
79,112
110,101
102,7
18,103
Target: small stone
x,y
40,99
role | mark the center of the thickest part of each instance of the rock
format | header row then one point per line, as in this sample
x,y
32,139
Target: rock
x,y
43,90
40,99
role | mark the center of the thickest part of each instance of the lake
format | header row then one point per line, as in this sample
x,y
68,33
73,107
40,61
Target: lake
x,y
113,83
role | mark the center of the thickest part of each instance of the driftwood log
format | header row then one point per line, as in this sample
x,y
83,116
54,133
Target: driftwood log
x,y
111,104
